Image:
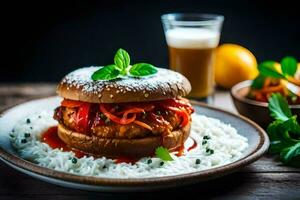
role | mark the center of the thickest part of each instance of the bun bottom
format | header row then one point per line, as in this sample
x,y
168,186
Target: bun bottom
x,y
114,148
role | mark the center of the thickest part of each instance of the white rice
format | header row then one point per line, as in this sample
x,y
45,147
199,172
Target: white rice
x,y
227,145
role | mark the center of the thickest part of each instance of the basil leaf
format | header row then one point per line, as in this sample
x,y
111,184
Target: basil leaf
x,y
279,108
291,153
142,69
163,154
108,72
289,65
258,82
122,60
267,68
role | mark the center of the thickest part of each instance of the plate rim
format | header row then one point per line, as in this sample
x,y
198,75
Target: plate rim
x,y
181,179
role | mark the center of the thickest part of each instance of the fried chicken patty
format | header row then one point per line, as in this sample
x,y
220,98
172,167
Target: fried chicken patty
x,y
161,123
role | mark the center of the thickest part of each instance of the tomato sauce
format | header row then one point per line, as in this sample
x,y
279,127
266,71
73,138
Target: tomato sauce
x,y
51,138
193,146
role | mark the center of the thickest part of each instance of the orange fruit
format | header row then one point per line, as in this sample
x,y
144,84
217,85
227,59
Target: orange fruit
x,y
234,64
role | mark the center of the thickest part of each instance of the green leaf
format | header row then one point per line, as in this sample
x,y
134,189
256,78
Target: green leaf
x,y
272,130
108,72
122,60
267,68
142,69
279,137
291,153
163,154
290,125
258,82
289,65
279,107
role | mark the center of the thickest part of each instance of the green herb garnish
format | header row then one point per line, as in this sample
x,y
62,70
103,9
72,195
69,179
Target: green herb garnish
x,y
74,160
267,69
198,161
279,108
284,132
23,141
206,137
122,68
209,151
26,135
289,66
258,82
163,154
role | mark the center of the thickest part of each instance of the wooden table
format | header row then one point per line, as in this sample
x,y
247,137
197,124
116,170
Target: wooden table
x,y
264,179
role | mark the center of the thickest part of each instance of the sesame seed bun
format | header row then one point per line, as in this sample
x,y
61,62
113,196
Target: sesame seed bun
x,y
122,147
165,84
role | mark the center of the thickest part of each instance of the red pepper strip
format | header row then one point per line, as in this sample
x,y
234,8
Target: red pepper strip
x,y
182,113
115,118
142,124
133,110
71,103
82,117
145,107
179,103
130,109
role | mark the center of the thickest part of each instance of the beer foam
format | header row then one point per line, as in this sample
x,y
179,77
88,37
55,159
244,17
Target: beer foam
x,y
192,38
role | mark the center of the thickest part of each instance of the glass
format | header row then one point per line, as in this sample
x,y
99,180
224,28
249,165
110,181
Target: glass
x,y
192,40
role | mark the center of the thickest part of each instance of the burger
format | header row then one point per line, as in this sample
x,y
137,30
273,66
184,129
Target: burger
x,y
129,116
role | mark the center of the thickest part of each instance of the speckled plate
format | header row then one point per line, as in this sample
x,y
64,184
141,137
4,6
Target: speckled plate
x,y
257,138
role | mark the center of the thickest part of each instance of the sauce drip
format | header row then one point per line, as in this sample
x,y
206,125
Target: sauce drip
x,y
51,138
193,146
180,151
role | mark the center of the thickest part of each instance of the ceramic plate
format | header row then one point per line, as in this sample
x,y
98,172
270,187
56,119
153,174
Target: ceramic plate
x,y
257,139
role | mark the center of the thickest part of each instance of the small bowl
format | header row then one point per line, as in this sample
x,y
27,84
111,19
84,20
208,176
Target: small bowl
x,y
255,110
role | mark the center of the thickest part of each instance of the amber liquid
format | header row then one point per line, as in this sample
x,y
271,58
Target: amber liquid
x,y
197,66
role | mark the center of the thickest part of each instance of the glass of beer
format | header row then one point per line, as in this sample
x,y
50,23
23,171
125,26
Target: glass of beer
x,y
192,40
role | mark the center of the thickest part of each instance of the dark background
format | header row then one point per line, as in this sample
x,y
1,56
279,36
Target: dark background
x,y
46,39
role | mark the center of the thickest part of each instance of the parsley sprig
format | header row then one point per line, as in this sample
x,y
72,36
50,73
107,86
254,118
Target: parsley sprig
x,y
284,132
122,68
268,69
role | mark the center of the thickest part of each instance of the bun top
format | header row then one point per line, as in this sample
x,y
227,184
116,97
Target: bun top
x,y
165,84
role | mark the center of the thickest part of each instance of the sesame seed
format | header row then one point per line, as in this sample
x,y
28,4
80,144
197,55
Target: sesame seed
x,y
111,96
146,95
